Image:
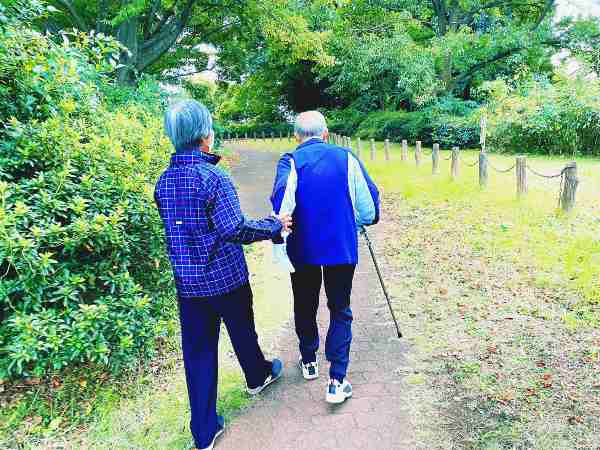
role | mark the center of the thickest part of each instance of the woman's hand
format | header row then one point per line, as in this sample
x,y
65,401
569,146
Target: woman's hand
x,y
286,222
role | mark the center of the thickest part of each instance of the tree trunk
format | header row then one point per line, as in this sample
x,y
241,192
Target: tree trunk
x,y
127,35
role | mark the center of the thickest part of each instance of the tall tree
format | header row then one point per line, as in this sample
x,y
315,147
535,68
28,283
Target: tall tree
x,y
160,34
391,53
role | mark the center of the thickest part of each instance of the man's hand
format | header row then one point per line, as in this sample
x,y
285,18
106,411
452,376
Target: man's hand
x,y
286,222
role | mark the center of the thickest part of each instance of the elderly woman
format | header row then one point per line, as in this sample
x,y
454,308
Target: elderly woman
x,y
205,230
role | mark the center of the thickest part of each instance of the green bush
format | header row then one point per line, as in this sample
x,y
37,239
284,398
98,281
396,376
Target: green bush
x,y
83,276
449,122
561,118
451,131
396,126
345,121
257,129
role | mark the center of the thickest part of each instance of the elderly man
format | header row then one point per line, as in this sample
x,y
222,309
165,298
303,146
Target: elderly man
x,y
204,229
331,196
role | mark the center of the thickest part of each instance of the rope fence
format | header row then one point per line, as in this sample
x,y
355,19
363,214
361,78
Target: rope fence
x,y
568,174
502,170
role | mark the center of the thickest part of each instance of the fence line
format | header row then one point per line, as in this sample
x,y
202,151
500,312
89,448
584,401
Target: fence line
x,y
568,174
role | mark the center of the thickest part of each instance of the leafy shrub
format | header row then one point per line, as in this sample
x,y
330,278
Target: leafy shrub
x,y
258,129
83,277
451,131
345,121
449,122
455,122
396,126
541,117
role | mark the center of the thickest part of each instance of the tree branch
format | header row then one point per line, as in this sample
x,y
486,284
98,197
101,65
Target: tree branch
x,y
153,49
149,17
547,8
77,19
555,42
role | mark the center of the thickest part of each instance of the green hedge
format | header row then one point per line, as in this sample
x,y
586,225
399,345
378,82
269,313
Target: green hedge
x,y
83,273
449,121
561,118
257,129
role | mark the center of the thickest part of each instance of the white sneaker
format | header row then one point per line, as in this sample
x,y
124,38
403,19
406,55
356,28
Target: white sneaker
x,y
338,392
310,371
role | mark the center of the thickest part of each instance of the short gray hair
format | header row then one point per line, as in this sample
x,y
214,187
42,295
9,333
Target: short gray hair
x,y
309,124
186,122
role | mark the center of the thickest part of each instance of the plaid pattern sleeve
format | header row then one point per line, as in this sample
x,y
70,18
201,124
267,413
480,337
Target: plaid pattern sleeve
x,y
230,223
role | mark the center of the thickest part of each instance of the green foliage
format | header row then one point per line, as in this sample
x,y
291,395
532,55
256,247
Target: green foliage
x,y
549,118
345,121
381,70
449,131
83,276
455,122
203,91
449,122
259,129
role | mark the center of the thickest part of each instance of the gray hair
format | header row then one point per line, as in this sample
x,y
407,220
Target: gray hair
x,y
187,122
309,124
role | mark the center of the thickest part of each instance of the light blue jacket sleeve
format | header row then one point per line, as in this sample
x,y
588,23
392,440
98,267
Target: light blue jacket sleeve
x,y
284,169
363,192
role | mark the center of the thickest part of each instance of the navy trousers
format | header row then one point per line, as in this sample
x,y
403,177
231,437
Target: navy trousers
x,y
306,285
200,326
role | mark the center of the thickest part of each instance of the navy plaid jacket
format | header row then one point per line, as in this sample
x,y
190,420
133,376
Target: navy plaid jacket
x,y
204,225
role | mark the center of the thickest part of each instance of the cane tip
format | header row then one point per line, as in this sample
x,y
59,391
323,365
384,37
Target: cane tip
x,y
399,335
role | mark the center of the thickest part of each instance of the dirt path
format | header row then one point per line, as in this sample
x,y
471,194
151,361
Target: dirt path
x,y
293,414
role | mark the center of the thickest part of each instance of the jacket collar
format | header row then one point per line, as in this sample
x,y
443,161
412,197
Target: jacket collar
x,y
310,142
193,155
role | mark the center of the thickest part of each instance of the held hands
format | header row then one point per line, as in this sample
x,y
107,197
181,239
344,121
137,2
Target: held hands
x,y
286,222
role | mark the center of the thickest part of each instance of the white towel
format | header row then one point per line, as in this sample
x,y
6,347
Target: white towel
x,y
280,256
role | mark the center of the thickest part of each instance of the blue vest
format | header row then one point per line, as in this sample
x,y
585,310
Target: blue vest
x,y
326,215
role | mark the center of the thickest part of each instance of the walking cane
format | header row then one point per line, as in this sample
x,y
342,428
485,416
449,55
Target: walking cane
x,y
385,292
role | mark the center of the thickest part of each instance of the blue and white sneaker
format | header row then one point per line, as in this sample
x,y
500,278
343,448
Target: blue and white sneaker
x,y
310,371
276,372
220,430
338,392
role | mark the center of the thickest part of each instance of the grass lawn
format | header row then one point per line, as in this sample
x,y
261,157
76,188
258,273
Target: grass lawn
x,y
500,298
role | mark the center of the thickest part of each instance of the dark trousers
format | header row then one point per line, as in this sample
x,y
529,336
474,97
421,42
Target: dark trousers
x,y
200,325
306,285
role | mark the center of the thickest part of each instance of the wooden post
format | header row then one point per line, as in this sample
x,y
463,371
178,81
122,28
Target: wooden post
x,y
263,135
289,136
358,147
246,136
418,153
387,149
272,136
435,159
521,168
254,135
454,166
570,183
280,135
372,149
404,150
483,169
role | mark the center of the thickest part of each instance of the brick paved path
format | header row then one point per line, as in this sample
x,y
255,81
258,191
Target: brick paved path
x,y
292,414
